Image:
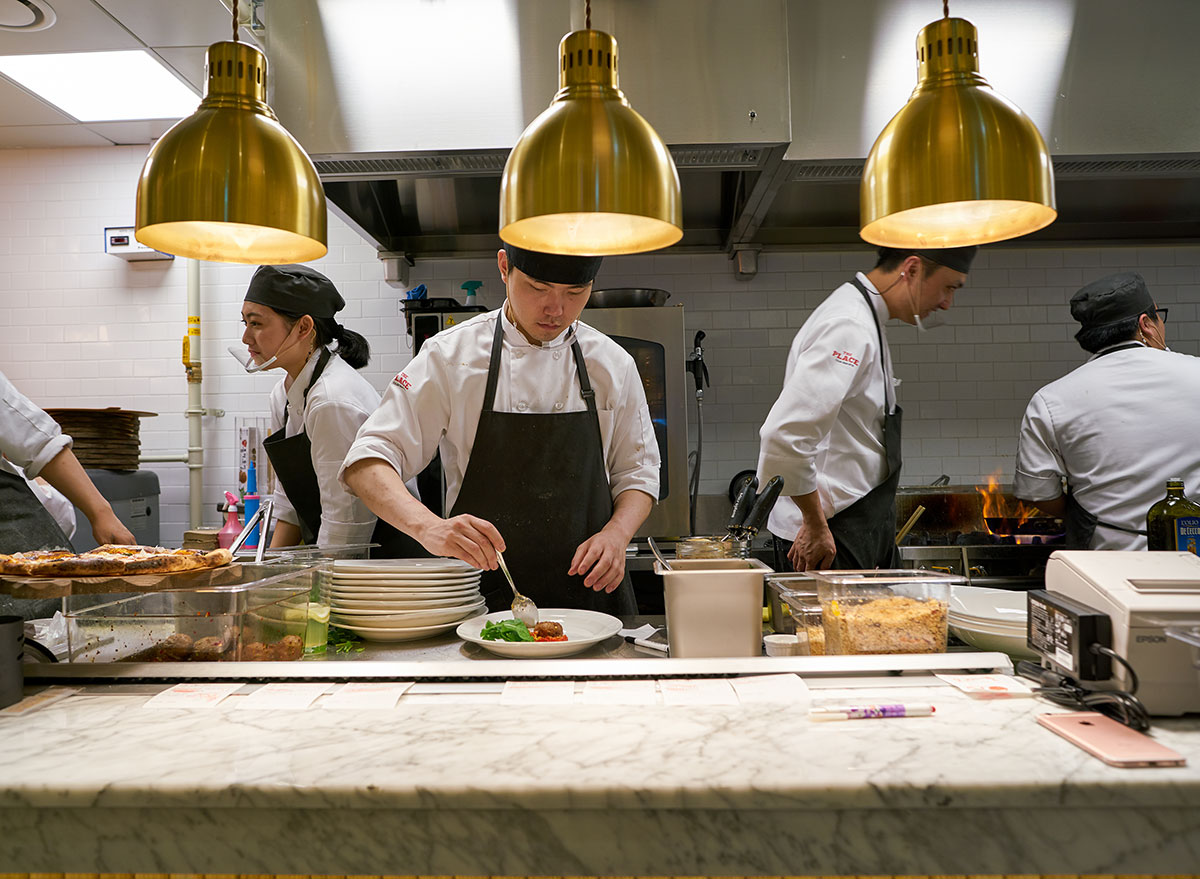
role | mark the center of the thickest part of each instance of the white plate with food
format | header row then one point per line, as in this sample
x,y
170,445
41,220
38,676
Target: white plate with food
x,y
404,633
583,628
402,566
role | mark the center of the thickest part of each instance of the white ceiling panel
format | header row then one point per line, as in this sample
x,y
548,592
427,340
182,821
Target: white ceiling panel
x,y
188,62
35,136
176,22
19,107
132,132
82,26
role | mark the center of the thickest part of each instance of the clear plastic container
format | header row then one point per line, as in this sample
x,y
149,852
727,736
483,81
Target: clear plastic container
x,y
803,609
778,585
267,618
884,611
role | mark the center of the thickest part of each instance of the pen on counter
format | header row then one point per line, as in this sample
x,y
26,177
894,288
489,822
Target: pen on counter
x,y
650,645
858,712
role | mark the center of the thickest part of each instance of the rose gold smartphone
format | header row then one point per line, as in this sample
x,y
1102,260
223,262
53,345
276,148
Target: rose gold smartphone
x,y
1111,741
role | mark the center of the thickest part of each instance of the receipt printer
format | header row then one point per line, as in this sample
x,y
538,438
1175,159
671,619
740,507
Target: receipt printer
x,y
1153,601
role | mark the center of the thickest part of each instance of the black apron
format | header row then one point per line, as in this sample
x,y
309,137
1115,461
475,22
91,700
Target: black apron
x,y
26,525
1081,524
865,532
540,479
291,456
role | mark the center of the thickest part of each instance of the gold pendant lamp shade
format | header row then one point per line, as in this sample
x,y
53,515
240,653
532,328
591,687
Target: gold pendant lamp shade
x,y
589,176
229,183
959,164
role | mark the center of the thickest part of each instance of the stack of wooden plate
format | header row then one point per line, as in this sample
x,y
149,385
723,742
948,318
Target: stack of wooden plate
x,y
104,439
403,599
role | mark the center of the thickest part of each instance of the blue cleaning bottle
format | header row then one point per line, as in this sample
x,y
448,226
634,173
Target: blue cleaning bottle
x,y
251,500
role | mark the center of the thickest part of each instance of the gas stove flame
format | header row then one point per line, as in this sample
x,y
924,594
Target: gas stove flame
x,y
997,506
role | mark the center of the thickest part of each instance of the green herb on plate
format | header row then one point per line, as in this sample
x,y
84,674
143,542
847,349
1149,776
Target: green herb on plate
x,y
505,630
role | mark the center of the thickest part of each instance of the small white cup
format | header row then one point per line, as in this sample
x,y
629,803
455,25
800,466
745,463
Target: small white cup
x,y
782,645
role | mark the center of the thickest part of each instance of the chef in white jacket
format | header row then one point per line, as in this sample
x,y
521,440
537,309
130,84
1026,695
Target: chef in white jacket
x,y
1116,428
834,432
545,437
316,409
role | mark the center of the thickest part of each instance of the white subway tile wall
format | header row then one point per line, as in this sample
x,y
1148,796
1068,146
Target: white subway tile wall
x,y
84,328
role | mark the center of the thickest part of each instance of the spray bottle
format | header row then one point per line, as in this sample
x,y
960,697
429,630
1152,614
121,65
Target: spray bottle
x,y
471,287
251,501
233,526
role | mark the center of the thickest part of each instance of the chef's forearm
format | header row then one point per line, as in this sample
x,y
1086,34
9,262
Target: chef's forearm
x,y
66,474
629,512
810,508
380,487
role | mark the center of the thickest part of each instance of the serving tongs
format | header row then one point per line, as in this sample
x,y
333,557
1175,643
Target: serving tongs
x,y
750,511
261,516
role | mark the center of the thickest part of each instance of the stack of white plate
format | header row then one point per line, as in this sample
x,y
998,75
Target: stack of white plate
x,y
403,599
990,619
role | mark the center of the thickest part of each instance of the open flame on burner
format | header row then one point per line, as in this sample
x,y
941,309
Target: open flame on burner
x,y
997,507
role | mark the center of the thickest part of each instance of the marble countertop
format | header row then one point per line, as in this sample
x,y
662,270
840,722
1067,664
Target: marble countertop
x,y
450,781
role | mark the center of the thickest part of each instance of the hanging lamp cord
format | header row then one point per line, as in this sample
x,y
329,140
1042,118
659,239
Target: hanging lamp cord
x,y
235,20
945,8
587,15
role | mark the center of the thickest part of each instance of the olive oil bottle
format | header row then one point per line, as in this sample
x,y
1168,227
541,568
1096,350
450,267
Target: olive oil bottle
x,y
1174,522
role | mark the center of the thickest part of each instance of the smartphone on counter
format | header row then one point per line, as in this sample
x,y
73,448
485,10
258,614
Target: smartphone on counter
x,y
1111,741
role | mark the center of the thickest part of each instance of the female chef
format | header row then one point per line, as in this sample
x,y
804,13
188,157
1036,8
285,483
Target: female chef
x,y
316,409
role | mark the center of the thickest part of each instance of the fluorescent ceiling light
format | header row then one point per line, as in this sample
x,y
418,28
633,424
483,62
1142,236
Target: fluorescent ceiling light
x,y
103,86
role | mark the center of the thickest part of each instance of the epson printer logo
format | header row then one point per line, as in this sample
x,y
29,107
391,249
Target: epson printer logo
x,y
1151,639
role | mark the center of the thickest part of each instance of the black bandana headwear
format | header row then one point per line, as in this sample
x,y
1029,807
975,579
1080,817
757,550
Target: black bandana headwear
x,y
554,268
1111,300
295,289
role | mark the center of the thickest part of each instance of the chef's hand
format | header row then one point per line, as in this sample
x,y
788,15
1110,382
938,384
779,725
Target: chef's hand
x,y
465,537
107,528
812,549
601,559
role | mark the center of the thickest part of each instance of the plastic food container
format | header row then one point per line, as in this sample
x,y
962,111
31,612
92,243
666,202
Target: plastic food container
x,y
265,619
714,606
804,611
884,611
778,585
712,548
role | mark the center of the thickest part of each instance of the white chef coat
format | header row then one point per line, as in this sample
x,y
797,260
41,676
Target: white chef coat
x,y
825,431
28,436
435,402
338,404
1117,428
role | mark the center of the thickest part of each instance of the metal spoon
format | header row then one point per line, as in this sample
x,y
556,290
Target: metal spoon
x,y
522,608
658,555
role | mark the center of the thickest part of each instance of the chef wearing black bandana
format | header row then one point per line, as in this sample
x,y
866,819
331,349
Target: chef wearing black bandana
x,y
316,409
545,437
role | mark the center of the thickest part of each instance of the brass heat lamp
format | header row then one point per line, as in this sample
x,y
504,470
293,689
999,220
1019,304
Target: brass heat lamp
x,y
959,164
229,183
590,176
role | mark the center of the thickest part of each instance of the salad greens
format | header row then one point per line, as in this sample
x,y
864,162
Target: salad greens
x,y
505,630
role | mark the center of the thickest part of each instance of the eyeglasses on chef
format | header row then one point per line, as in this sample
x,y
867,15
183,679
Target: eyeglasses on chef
x,y
1159,312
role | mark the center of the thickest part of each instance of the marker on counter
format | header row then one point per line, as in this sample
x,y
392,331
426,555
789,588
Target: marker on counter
x,y
862,712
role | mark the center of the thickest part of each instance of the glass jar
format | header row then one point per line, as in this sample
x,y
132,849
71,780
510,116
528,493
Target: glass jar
x,y
712,548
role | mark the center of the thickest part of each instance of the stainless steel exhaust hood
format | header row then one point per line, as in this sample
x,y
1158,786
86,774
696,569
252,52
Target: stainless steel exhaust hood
x,y
409,107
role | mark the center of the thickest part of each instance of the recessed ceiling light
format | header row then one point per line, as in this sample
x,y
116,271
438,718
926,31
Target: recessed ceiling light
x,y
103,86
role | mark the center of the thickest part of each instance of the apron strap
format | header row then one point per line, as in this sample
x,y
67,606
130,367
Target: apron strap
x,y
589,393
887,385
320,368
489,393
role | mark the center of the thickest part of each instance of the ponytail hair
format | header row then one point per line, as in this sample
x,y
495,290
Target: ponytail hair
x,y
352,347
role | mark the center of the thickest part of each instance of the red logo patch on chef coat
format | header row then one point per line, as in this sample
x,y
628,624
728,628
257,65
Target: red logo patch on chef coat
x,y
402,380
845,357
